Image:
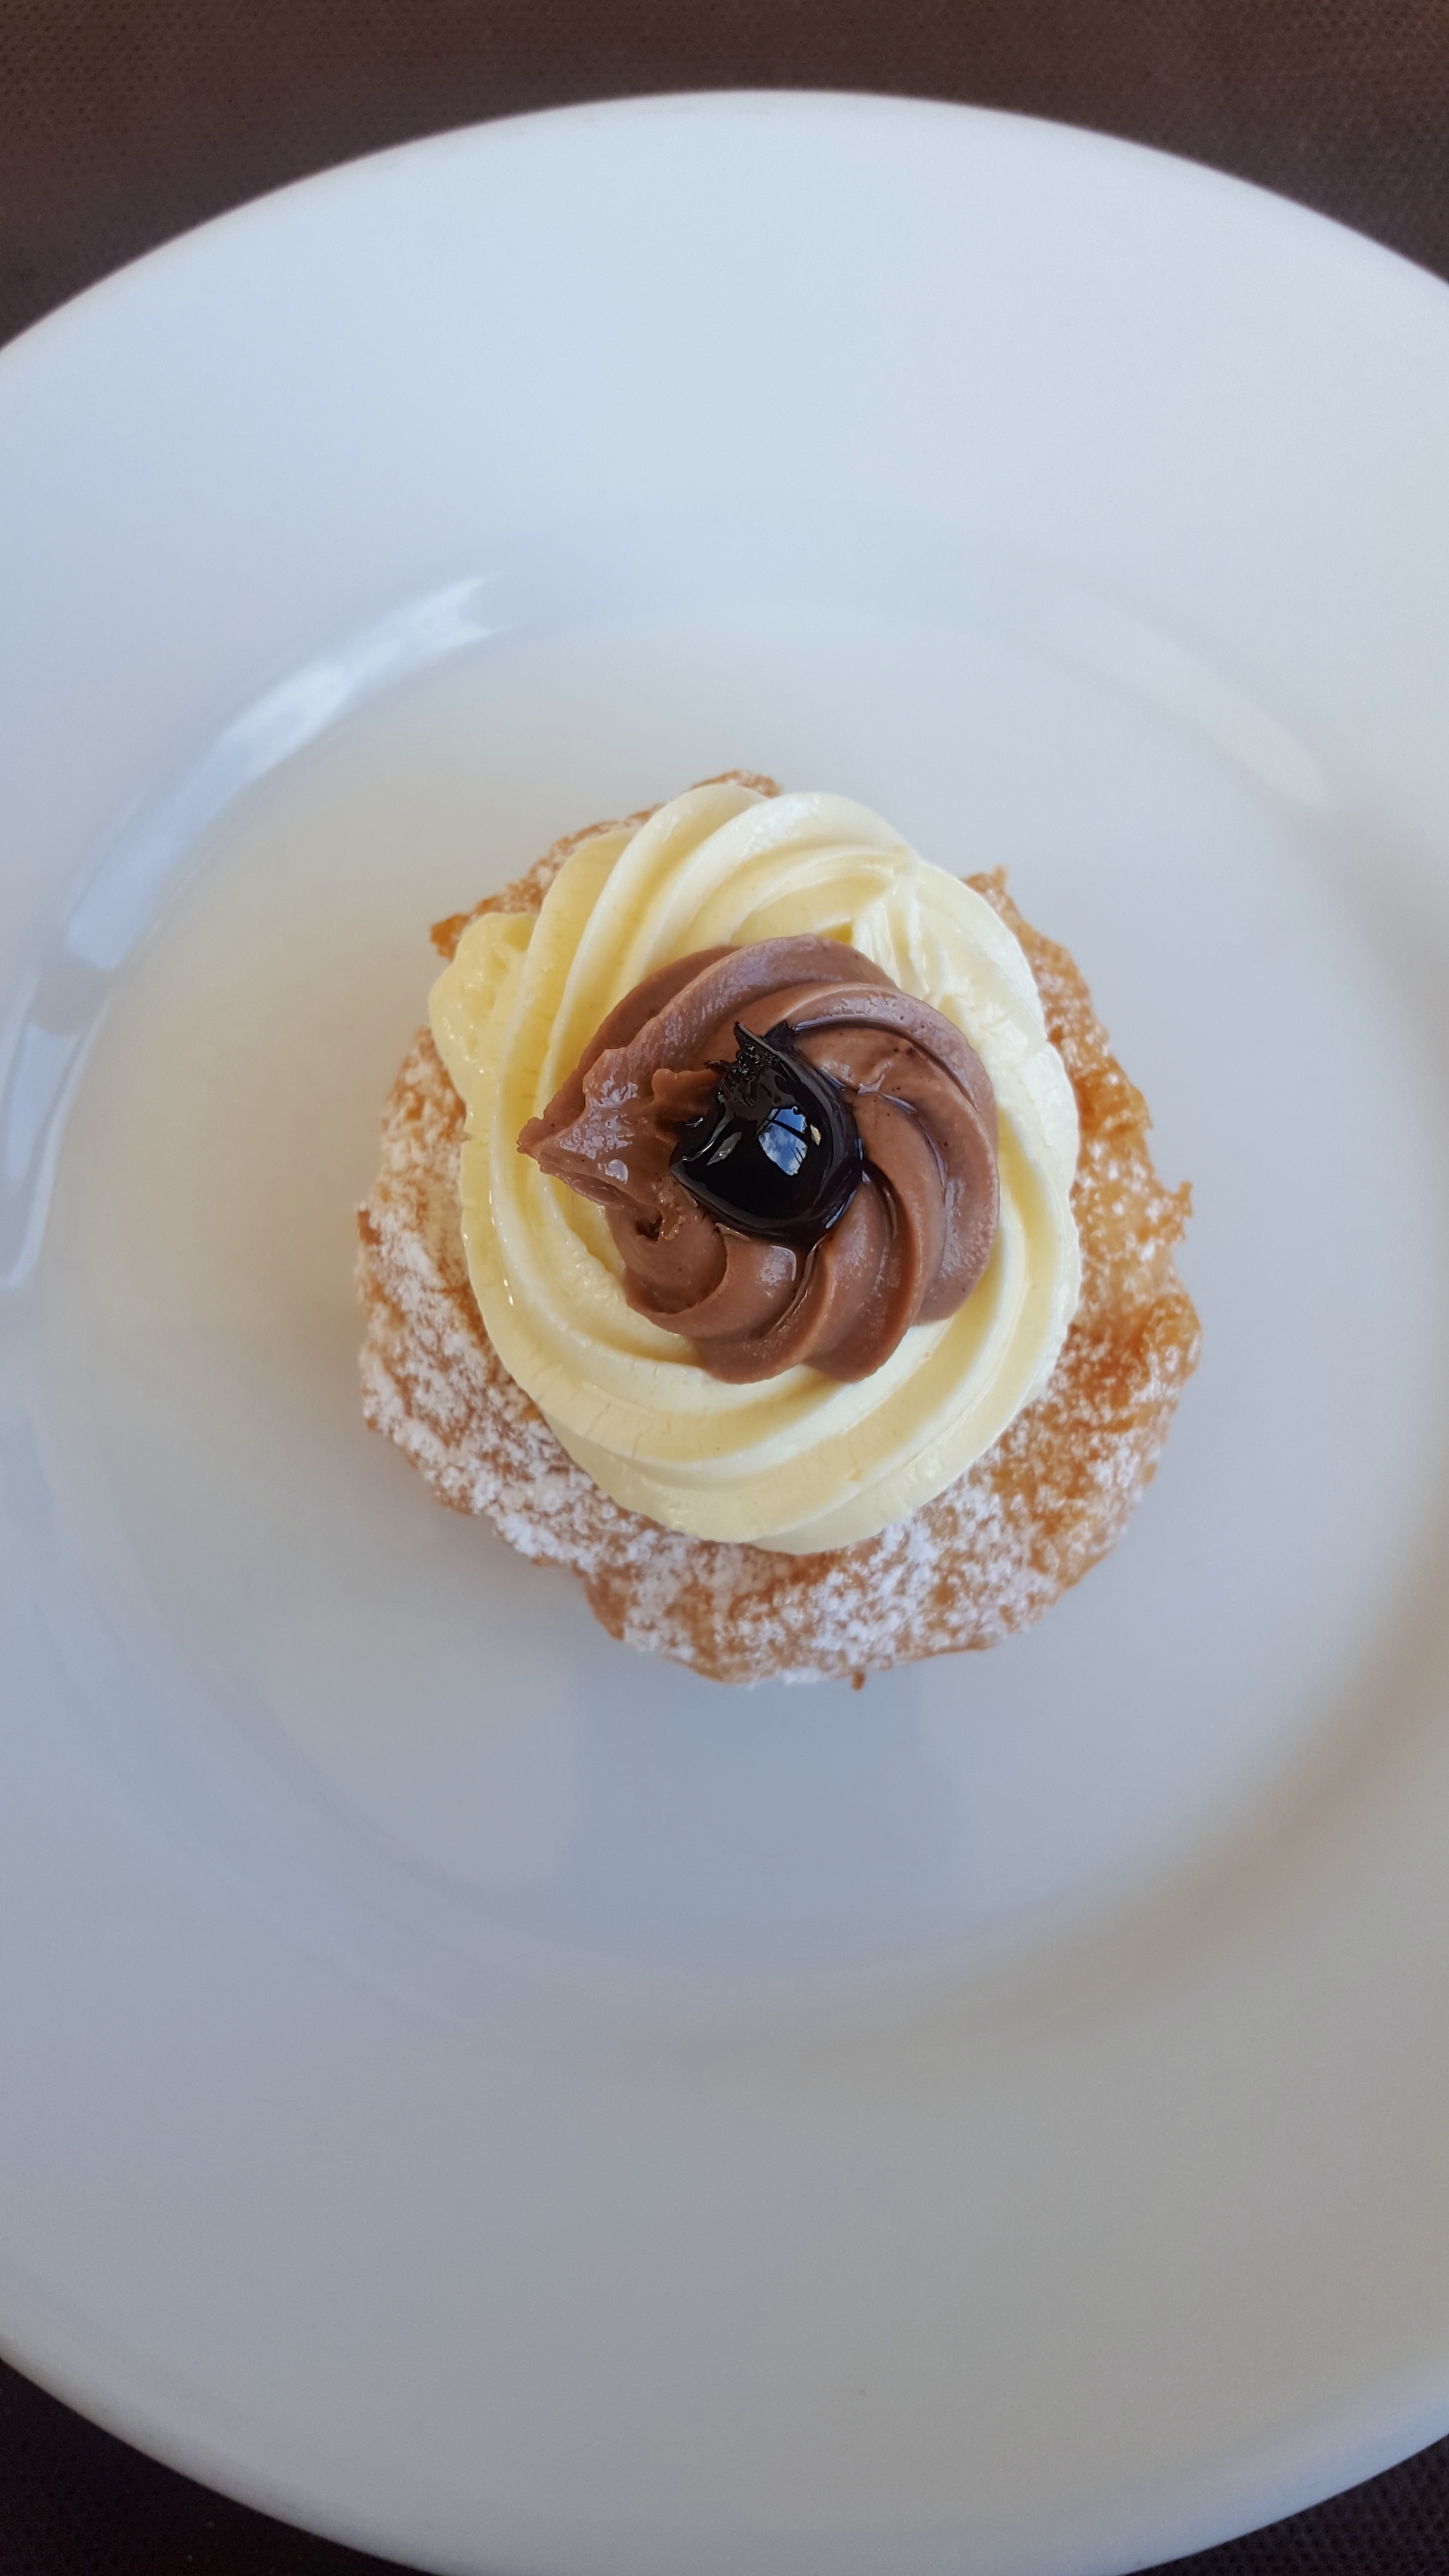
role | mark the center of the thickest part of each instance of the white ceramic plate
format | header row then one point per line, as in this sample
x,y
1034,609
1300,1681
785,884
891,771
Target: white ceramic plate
x,y
467,2088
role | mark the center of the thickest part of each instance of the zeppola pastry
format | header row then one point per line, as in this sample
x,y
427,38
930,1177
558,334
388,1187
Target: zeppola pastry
x,y
766,1233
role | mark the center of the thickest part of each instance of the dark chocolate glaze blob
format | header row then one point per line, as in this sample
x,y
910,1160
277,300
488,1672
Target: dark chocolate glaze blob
x,y
776,1152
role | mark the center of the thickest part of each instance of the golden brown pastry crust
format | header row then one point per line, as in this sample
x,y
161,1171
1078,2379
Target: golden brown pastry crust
x,y
982,1560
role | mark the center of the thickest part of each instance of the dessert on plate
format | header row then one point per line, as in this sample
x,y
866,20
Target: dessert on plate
x,y
766,1232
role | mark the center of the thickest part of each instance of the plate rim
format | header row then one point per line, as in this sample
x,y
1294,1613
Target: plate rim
x,y
1258,2497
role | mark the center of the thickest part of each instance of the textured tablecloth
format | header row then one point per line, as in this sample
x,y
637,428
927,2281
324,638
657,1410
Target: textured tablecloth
x,y
123,121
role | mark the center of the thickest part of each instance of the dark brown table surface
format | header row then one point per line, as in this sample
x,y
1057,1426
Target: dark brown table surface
x,y
124,121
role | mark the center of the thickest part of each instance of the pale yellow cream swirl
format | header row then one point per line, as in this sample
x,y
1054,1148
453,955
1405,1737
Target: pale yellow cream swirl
x,y
801,1461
